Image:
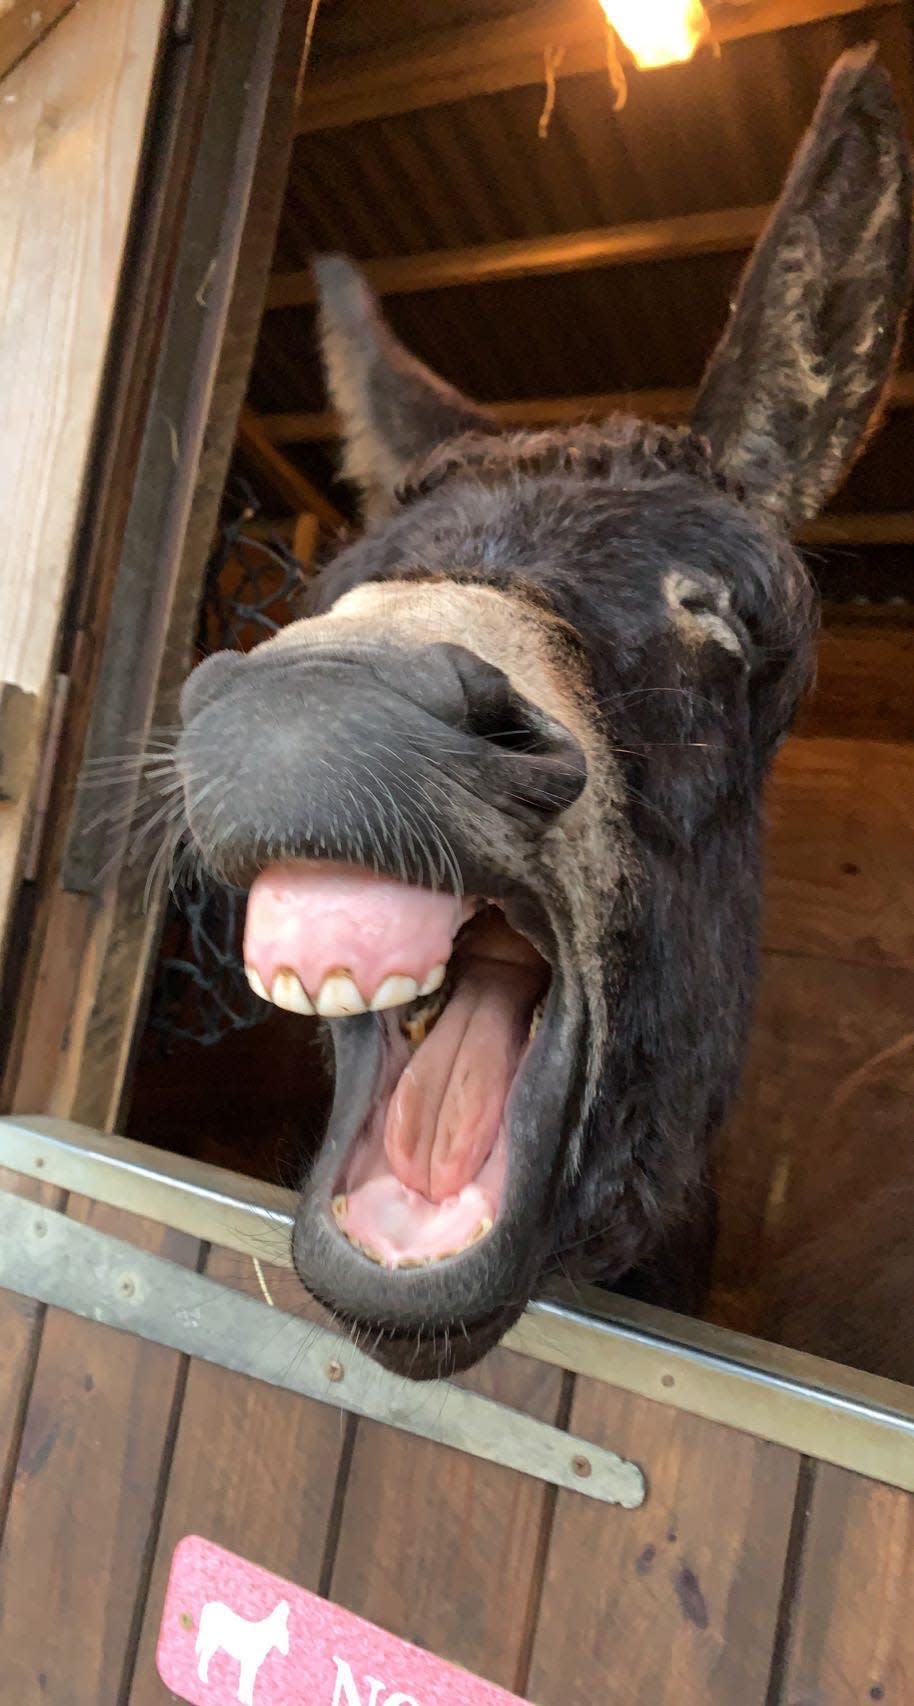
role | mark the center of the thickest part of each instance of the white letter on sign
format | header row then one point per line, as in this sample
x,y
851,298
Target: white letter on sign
x,y
401,1700
344,1694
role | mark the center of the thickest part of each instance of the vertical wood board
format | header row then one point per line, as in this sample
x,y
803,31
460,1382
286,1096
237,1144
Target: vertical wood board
x,y
443,1549
72,122
822,1122
839,878
852,1631
84,1496
21,1320
254,1470
675,1603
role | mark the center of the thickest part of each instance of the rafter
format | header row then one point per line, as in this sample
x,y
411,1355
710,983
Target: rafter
x,y
472,59
721,231
664,405
291,486
878,527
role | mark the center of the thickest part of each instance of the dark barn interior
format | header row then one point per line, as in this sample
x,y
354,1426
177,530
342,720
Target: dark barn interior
x,y
563,263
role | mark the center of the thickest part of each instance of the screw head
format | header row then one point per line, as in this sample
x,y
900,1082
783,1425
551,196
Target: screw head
x,y
334,1370
126,1286
40,1228
582,1466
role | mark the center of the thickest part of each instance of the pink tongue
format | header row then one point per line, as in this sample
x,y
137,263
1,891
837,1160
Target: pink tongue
x,y
316,918
444,1115
432,1183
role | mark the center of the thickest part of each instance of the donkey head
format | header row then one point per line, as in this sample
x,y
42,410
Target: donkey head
x,y
497,798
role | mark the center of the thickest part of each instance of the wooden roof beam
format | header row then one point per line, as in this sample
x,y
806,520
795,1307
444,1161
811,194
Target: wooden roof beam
x,y
722,231
879,527
505,53
291,486
321,426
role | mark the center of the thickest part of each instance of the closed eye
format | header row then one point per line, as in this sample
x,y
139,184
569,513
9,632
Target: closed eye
x,y
701,611
698,605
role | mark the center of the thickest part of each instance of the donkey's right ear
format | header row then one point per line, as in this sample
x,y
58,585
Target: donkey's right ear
x,y
796,381
393,410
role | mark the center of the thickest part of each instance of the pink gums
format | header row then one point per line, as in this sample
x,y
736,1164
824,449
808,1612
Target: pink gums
x,y
315,919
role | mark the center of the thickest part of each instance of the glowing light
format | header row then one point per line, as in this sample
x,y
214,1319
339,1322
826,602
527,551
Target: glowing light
x,y
658,32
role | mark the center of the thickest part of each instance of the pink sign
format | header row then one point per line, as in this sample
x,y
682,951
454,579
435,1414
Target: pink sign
x,y
235,1635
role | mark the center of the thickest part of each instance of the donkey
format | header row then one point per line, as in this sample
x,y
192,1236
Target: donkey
x,y
497,797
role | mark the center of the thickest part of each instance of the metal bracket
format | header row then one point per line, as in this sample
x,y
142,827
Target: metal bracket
x,y
74,1267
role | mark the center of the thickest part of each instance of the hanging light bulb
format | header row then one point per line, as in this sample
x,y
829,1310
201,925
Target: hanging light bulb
x,y
658,32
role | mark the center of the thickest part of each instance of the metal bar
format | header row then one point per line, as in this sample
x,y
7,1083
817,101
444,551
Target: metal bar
x,y
834,1414
838,1415
75,1267
208,1203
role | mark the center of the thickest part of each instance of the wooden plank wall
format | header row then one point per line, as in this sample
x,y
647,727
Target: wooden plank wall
x,y
818,1171
750,1575
72,121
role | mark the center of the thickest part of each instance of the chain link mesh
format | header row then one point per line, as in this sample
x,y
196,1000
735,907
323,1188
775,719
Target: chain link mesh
x,y
200,992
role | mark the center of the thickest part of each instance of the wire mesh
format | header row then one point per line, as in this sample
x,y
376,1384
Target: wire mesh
x,y
200,993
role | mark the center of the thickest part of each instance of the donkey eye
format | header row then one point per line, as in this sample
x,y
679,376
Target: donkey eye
x,y
701,612
697,605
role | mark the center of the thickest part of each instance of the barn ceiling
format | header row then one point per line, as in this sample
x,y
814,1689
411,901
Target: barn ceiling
x,y
507,260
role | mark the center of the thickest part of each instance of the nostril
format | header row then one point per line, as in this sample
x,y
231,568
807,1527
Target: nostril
x,y
206,682
512,731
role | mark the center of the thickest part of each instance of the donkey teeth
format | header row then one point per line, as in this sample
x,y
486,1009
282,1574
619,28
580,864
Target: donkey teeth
x,y
479,1232
537,1019
288,993
339,1208
434,980
416,1026
365,1250
395,991
338,997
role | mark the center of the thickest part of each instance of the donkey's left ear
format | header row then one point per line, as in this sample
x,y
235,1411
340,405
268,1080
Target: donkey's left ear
x,y
797,378
394,411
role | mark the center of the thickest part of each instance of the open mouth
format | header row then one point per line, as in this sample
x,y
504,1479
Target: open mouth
x,y
457,994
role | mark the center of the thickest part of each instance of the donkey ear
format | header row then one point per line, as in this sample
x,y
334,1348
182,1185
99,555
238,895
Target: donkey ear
x,y
797,378
394,410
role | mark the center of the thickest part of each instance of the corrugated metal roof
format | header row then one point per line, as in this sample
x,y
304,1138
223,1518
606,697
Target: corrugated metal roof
x,y
713,134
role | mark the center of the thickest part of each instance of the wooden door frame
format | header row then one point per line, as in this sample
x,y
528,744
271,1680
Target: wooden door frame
x,y
189,315
75,117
